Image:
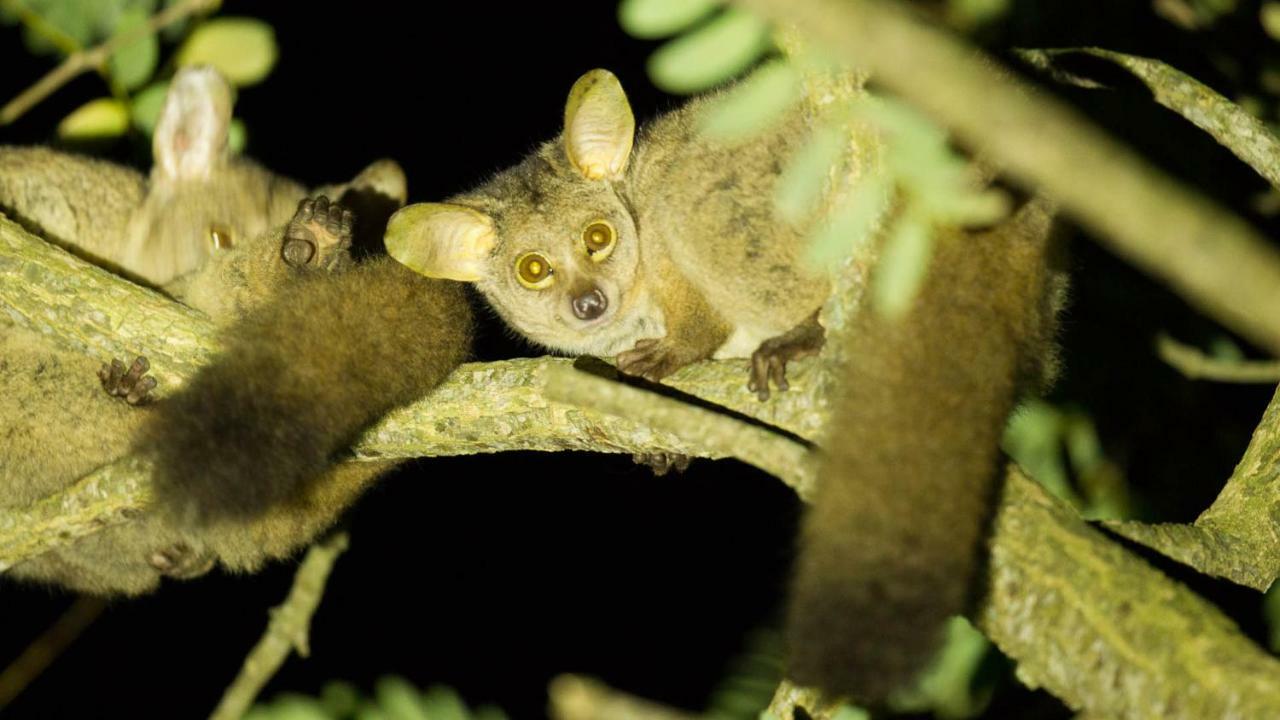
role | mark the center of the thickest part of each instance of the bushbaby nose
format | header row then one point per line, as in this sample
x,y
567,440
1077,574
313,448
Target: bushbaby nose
x,y
590,305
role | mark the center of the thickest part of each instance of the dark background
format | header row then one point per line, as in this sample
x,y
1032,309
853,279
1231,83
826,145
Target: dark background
x,y
492,574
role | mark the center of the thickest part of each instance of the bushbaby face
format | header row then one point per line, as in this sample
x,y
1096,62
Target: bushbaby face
x,y
567,280
181,224
199,198
550,242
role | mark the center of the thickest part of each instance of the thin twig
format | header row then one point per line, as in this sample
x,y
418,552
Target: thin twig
x,y
287,631
1195,365
94,58
36,23
44,650
1246,136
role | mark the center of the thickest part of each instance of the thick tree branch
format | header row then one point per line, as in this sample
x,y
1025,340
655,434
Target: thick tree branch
x,y
1237,537
776,454
482,408
1104,631
1207,254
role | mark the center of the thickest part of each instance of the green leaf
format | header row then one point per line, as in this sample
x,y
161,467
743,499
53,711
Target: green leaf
x,y
947,686
243,49
903,266
752,105
400,700
146,106
849,712
650,19
798,190
1270,16
339,698
442,703
96,119
710,55
1033,438
133,64
237,136
292,706
969,13
851,224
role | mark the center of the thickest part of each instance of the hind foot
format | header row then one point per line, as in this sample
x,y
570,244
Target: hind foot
x,y
181,561
662,463
133,385
769,361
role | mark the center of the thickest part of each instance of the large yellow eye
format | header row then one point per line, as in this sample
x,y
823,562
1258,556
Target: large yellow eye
x,y
534,271
599,238
220,237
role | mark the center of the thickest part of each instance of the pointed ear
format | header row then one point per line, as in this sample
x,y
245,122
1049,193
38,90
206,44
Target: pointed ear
x,y
383,178
598,126
441,240
191,134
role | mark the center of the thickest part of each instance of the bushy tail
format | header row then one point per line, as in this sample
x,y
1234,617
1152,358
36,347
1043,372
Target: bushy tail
x,y
298,379
893,543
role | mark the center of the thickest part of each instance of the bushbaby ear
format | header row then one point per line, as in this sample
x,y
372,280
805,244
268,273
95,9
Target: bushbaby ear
x,y
383,177
441,240
191,134
598,126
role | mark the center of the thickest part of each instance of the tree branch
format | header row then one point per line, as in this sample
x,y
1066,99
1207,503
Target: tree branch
x,y
724,436
94,58
1237,537
1246,136
1195,365
287,631
1214,259
482,408
1104,631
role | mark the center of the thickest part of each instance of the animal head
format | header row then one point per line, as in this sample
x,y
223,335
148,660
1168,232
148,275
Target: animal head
x,y
199,198
239,277
550,242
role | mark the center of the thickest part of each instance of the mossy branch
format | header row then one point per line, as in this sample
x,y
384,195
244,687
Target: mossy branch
x,y
1085,619
482,408
1210,256
1237,537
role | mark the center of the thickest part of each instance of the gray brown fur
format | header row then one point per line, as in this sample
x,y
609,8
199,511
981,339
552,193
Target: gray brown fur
x,y
700,253
297,381
56,401
895,537
61,425
59,422
156,228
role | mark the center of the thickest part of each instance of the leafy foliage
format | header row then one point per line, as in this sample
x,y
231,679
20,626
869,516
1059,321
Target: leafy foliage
x,y
934,183
394,698
243,49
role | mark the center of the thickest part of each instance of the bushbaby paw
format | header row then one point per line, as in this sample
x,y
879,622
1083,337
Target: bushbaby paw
x,y
134,385
650,359
181,561
769,361
662,462
319,235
